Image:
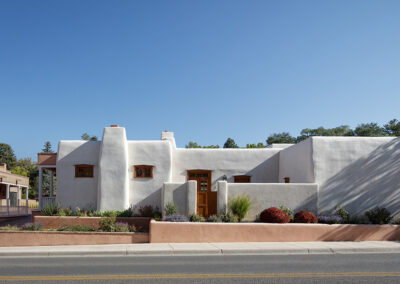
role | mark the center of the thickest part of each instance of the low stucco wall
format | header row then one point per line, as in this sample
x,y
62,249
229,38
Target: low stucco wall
x,y
55,222
183,195
17,238
168,232
298,196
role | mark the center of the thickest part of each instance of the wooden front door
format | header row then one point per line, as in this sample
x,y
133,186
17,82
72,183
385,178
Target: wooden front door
x,y
206,199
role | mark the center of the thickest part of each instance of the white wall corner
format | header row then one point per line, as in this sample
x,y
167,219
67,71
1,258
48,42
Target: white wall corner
x,y
222,205
191,202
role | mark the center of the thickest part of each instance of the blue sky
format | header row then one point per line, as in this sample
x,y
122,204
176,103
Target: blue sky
x,y
206,70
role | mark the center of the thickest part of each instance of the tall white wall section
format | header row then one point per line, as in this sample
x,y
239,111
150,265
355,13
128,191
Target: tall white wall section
x,y
113,191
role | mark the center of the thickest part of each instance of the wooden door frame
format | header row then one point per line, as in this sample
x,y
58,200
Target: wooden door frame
x,y
209,186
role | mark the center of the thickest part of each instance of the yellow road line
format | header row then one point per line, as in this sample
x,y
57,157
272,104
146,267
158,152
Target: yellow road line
x,y
197,276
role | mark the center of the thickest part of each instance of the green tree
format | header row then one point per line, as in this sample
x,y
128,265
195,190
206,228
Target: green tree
x,y
283,137
370,129
27,166
258,145
230,143
47,147
7,156
392,128
343,130
88,137
192,144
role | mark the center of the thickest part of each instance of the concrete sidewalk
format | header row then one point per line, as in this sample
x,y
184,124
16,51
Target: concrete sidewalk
x,y
267,248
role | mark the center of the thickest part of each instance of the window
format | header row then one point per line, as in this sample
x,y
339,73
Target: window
x,y
85,171
143,171
241,179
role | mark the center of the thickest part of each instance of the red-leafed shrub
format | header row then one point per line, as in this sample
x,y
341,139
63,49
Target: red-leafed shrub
x,y
274,215
304,216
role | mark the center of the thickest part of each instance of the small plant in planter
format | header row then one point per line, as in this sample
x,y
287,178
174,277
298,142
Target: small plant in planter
x,y
287,211
176,218
121,227
214,219
170,209
274,215
240,205
107,224
196,218
342,212
379,216
32,227
304,216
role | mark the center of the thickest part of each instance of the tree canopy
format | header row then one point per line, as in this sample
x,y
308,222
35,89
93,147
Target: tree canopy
x,y
230,143
192,144
88,137
283,137
370,129
7,156
47,147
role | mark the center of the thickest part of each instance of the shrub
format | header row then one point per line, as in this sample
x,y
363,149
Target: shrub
x,y
109,213
146,211
196,218
304,216
214,219
274,215
228,217
126,213
121,227
157,216
379,216
176,218
32,227
170,209
330,219
342,212
50,209
107,224
240,205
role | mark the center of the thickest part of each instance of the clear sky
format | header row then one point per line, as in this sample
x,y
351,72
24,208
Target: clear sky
x,y
206,70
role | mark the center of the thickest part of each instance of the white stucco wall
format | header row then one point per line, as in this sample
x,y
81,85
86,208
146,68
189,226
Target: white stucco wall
x,y
72,191
147,191
296,163
113,180
260,164
358,172
295,196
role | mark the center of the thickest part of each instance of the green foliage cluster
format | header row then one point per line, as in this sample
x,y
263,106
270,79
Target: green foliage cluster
x,y
379,215
170,209
342,212
239,206
287,211
76,228
32,227
192,144
88,137
196,218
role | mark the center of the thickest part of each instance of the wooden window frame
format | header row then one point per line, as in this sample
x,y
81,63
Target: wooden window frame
x,y
77,167
241,176
143,167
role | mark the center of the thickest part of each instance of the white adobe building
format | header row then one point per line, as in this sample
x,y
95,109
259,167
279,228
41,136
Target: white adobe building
x,y
317,174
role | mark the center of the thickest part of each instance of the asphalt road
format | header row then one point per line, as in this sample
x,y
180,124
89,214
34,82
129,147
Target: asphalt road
x,y
349,268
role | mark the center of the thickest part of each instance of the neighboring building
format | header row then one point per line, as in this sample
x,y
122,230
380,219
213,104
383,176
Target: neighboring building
x,y
317,174
11,186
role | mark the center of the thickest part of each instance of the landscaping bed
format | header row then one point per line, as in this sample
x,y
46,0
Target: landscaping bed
x,y
189,232
54,238
56,222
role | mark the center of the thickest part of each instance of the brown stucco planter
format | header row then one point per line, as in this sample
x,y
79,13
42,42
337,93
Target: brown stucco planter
x,y
55,222
169,232
26,238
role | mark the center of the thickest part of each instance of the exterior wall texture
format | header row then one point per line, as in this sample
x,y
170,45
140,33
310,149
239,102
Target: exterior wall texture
x,y
359,173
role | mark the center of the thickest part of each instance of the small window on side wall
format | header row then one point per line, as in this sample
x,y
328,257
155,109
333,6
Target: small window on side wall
x,y
83,171
241,179
143,171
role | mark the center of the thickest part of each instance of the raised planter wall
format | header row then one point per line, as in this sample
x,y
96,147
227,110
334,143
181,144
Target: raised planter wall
x,y
25,238
55,222
169,232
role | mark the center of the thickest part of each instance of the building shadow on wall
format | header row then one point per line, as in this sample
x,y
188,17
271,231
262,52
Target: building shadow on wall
x,y
363,233
370,181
